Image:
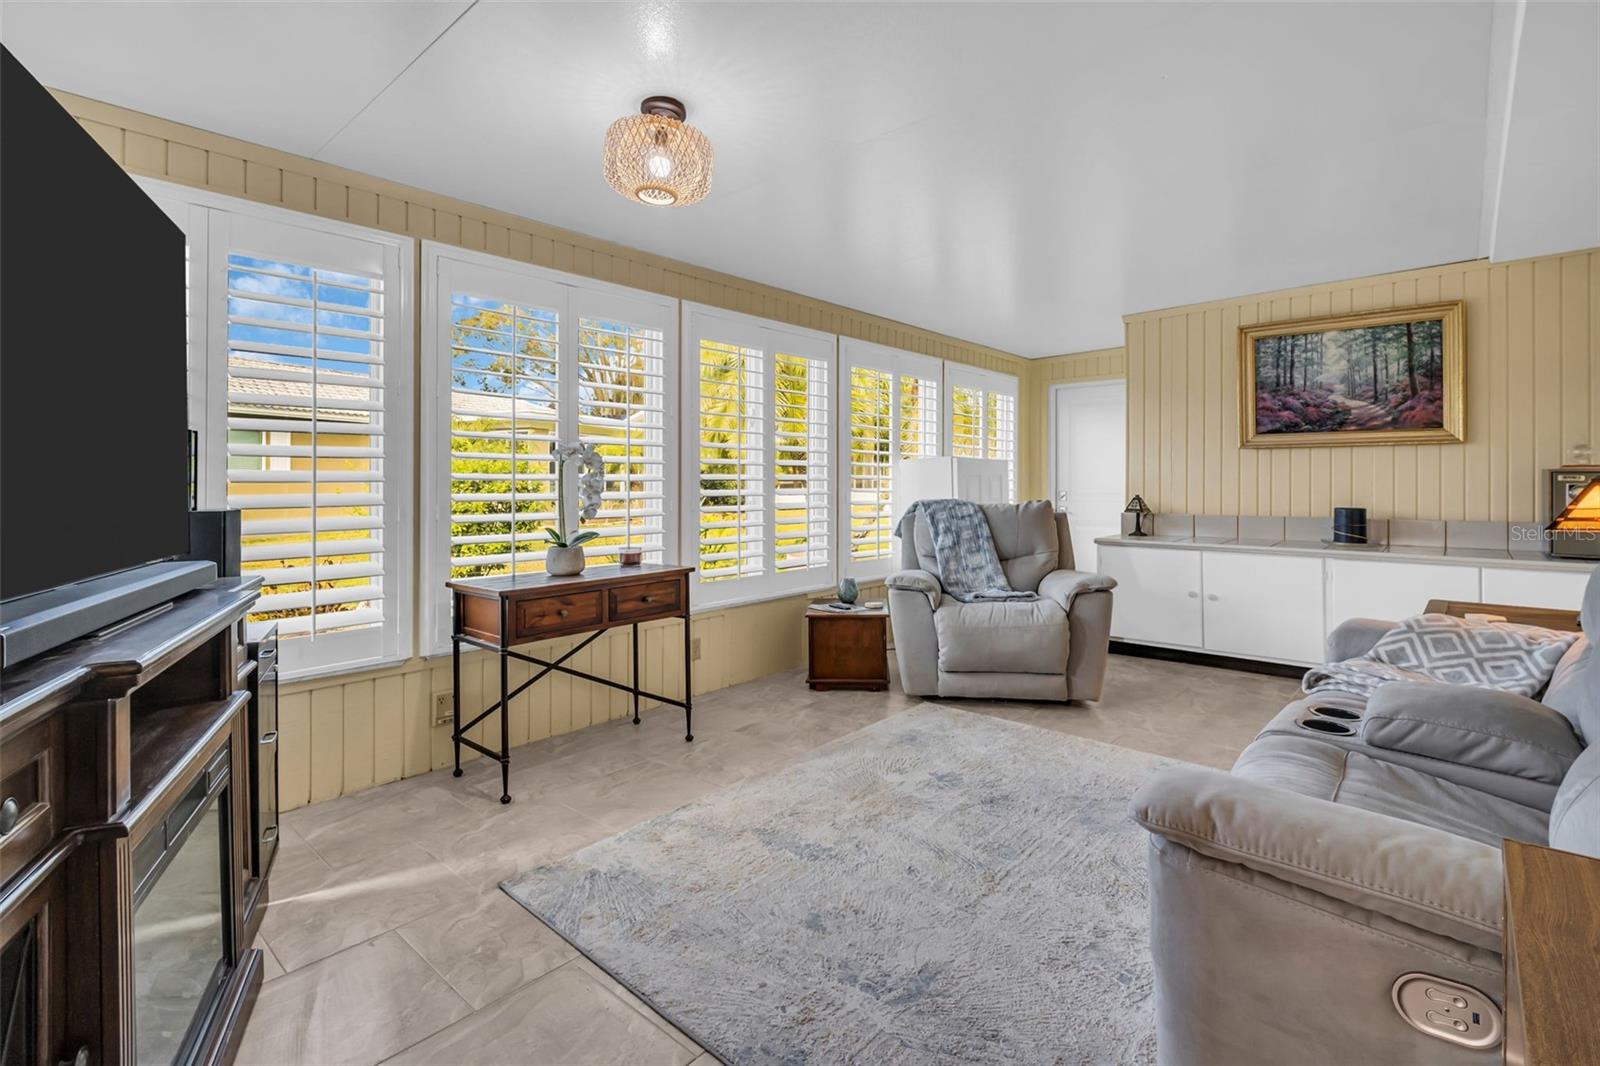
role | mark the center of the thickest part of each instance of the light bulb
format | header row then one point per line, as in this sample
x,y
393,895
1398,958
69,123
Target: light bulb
x,y
659,163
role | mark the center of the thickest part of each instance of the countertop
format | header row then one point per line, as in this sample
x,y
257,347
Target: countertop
x,y
1497,557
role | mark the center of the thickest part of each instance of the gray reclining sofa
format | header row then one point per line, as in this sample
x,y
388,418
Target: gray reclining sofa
x,y
1291,895
1052,648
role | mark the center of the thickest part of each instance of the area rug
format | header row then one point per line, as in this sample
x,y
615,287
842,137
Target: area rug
x,y
938,887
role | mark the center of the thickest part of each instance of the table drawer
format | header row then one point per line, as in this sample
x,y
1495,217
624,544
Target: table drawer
x,y
656,599
31,770
551,615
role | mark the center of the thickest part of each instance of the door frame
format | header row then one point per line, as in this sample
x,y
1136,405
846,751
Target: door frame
x,y
1053,485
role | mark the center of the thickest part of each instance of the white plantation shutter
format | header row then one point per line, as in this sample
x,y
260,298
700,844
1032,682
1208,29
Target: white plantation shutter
x,y
1000,432
869,490
981,417
758,450
315,380
504,421
518,359
621,384
730,484
891,413
802,466
918,404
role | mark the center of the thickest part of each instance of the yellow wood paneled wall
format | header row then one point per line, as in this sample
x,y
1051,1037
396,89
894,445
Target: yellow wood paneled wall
x,y
1037,377
345,733
1533,392
157,148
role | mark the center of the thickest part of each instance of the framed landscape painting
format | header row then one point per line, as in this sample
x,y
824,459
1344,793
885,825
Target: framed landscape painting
x,y
1375,377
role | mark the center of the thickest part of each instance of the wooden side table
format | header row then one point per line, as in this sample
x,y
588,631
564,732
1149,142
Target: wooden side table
x,y
849,649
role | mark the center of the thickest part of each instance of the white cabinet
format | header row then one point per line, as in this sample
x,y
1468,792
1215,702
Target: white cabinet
x,y
1157,599
1376,588
1280,606
1263,607
1559,589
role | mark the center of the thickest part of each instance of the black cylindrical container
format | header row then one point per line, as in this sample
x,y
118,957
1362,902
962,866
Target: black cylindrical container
x,y
1349,525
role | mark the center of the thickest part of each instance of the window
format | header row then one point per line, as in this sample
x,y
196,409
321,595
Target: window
x,y
890,414
982,417
300,388
316,377
516,360
758,497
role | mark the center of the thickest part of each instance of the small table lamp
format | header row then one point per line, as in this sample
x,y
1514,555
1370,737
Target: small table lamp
x,y
1138,508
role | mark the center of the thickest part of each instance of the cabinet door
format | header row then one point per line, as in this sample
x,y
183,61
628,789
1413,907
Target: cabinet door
x,y
1371,588
1263,606
1157,599
1560,590
33,979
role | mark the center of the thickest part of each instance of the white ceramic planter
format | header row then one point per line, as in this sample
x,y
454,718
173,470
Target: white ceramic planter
x,y
564,562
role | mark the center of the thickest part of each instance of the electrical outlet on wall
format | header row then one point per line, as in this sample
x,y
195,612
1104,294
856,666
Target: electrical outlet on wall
x,y
443,708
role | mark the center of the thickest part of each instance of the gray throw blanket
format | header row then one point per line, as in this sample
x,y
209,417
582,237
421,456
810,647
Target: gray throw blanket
x,y
1438,647
963,550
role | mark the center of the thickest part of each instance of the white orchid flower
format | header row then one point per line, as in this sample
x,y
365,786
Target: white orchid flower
x,y
591,487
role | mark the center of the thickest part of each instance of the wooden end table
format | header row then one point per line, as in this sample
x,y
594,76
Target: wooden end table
x,y
499,613
849,649
1552,955
1547,617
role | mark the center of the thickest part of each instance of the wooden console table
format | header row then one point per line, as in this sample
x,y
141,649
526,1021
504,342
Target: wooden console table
x,y
499,613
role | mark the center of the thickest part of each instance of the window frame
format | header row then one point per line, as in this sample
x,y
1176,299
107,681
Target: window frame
x,y
898,364
704,322
958,375
573,297
197,212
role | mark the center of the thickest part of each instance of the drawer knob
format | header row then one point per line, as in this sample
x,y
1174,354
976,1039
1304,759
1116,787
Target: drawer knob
x,y
9,813
563,612
1212,596
644,599
1194,595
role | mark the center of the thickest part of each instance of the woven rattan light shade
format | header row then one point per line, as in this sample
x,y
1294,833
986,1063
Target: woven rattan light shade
x,y
658,160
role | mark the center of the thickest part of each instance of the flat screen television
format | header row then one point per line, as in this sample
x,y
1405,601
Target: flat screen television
x,y
93,411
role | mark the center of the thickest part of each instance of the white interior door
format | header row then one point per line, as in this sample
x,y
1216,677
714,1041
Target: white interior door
x,y
1088,468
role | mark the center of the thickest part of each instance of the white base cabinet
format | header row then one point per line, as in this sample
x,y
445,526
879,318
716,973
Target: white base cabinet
x,y
1279,607
1377,588
1534,588
1266,608
1157,600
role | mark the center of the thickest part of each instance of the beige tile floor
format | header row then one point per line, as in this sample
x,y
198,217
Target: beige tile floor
x,y
388,939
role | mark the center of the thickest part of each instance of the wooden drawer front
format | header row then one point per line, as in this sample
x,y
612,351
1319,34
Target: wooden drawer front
x,y
550,615
658,599
30,778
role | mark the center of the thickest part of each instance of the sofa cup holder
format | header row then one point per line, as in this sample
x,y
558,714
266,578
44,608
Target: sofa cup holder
x,y
1328,726
1342,714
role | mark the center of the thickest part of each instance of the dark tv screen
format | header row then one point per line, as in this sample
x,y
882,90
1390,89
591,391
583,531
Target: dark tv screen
x,y
93,409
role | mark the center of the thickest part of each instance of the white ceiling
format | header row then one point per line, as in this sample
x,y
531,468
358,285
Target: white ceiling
x,y
1019,175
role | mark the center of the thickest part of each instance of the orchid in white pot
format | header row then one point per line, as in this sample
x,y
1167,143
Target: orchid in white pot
x,y
565,556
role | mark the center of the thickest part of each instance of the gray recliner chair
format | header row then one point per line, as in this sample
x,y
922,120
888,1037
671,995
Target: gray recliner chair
x,y
1289,896
1052,648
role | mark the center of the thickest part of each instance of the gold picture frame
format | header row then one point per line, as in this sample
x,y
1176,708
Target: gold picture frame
x,y
1347,402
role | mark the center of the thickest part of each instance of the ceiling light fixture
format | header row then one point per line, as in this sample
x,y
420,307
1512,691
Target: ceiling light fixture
x,y
656,158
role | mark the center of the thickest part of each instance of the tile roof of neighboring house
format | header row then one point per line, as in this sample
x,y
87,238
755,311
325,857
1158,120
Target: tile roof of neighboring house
x,y
327,395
